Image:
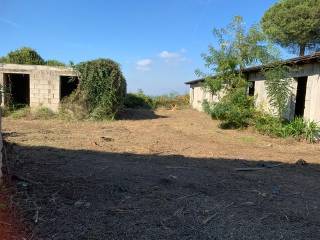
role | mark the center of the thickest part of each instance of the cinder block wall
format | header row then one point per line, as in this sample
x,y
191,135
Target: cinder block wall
x,y
44,82
45,89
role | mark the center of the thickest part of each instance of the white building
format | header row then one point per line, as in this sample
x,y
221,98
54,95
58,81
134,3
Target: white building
x,y
305,97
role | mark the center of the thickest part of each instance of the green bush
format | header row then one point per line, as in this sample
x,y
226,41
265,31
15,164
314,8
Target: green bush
x,y
20,113
138,100
235,110
298,128
101,92
312,132
43,113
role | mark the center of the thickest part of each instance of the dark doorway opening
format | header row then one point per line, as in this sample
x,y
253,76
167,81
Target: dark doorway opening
x,y
251,88
301,96
68,85
16,90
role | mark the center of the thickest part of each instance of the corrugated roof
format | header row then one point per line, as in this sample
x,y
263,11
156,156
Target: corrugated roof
x,y
293,61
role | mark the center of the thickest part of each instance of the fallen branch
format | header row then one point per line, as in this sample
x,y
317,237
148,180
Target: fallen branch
x,y
187,196
168,167
249,169
208,219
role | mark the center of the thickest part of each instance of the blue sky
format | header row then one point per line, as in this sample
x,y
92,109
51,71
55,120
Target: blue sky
x,y
157,42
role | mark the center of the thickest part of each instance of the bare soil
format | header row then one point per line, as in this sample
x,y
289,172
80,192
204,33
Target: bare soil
x,y
163,175
10,227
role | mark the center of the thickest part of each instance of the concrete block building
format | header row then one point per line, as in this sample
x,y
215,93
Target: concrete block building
x,y
36,85
305,96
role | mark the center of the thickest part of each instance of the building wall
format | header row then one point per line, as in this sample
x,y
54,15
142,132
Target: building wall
x,y
312,102
44,82
262,100
312,106
198,95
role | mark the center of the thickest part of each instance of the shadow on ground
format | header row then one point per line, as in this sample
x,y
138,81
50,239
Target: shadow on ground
x,y
71,194
138,114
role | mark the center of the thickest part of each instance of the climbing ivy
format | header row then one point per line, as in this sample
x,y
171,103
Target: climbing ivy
x,y
102,88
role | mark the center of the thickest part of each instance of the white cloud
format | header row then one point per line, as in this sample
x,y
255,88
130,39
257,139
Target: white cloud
x,y
144,64
169,55
173,56
9,22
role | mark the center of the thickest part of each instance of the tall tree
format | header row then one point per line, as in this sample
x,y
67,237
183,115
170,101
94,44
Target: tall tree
x,y
294,24
238,48
23,55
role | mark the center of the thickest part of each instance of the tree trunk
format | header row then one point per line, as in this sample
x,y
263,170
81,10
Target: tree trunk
x,y
302,50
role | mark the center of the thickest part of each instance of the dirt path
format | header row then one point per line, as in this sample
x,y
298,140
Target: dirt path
x,y
188,133
168,177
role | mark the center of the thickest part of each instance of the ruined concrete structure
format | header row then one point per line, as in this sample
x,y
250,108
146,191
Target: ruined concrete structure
x,y
36,85
305,96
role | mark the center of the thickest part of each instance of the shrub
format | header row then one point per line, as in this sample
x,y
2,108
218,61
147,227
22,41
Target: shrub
x,y
298,128
235,110
43,113
269,125
101,91
312,132
171,100
20,113
138,100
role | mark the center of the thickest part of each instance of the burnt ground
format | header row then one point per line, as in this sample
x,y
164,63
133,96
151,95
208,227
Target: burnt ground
x,y
173,176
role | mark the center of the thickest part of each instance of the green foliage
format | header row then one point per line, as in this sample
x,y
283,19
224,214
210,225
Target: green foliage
x,y
138,100
102,89
73,107
278,86
55,63
23,55
293,24
312,131
234,110
20,113
299,128
237,50
26,55
169,101
43,113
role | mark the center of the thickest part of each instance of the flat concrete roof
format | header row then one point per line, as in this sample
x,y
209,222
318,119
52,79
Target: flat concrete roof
x,y
12,68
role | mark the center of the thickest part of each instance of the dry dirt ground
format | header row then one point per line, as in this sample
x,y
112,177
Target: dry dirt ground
x,y
168,175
